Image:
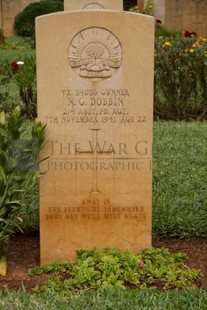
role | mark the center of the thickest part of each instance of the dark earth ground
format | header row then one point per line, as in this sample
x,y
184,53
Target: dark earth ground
x,y
23,253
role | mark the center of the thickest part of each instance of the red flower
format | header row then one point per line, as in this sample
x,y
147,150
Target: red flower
x,y
188,34
158,21
140,264
14,65
193,33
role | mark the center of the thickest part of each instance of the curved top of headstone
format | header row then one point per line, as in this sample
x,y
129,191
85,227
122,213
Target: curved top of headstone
x,y
70,5
92,6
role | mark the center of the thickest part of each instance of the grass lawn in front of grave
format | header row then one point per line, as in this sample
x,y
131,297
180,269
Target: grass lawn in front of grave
x,y
179,179
188,299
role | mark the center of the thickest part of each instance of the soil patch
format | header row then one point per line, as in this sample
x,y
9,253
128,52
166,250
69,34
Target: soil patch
x,y
24,251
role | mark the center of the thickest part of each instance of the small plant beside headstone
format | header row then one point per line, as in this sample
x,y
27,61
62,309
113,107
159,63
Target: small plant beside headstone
x,y
111,268
18,166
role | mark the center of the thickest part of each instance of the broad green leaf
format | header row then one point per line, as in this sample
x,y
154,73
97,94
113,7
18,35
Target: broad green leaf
x,y
3,266
2,117
4,133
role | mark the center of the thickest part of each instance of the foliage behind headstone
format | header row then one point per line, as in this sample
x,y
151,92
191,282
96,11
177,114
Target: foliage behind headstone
x,y
24,24
180,78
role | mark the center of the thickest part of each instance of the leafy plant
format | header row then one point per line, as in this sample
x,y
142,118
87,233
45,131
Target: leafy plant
x,y
148,9
18,166
57,267
134,9
24,24
20,76
25,78
180,78
111,268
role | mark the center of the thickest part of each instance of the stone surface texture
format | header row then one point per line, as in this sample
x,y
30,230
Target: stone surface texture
x,y
93,5
95,92
190,15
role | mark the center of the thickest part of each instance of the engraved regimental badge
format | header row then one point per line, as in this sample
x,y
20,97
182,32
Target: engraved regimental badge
x,y
95,53
93,6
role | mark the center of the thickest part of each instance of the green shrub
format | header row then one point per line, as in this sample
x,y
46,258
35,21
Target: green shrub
x,y
180,78
18,165
24,24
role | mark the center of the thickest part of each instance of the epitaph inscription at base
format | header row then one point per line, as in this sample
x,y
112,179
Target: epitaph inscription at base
x,y
95,92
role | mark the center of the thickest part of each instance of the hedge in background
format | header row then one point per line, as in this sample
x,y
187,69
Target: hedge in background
x,y
24,24
181,78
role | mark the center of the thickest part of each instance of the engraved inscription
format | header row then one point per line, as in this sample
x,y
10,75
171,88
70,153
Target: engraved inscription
x,y
96,209
96,106
95,154
93,6
95,53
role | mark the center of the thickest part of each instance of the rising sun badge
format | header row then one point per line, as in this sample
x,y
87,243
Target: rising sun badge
x,y
95,53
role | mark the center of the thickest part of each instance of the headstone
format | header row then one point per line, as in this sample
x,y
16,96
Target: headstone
x,y
8,10
95,92
190,15
93,5
195,17
159,10
174,14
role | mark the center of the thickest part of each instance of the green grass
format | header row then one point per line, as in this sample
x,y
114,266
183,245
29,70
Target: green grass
x,y
191,299
16,48
179,179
